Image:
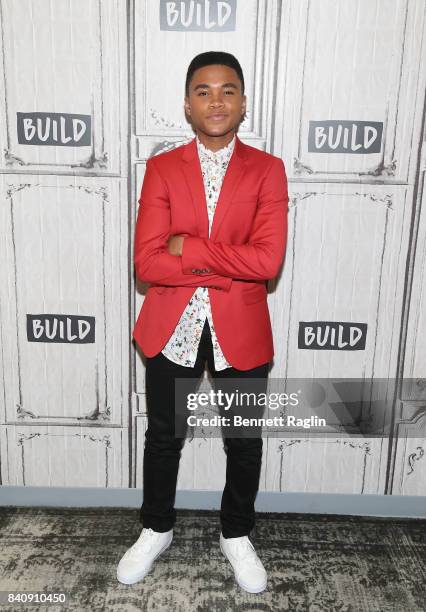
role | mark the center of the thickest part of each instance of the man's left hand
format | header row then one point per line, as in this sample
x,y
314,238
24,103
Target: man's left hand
x,y
175,244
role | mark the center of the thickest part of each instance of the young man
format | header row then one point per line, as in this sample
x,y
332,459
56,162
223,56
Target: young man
x,y
211,230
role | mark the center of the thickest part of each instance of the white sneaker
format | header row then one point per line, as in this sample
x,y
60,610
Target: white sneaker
x,y
248,568
137,561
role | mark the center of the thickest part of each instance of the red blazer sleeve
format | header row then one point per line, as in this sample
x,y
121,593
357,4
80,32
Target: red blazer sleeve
x,y
261,257
153,263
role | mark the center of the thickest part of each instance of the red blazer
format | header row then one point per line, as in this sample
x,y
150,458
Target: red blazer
x,y
245,249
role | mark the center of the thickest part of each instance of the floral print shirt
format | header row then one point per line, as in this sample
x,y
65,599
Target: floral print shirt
x,y
182,346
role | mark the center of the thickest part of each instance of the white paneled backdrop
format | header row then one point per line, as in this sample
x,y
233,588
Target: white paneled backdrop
x,y
90,89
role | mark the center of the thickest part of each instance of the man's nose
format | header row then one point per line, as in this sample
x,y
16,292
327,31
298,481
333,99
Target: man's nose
x,y
216,99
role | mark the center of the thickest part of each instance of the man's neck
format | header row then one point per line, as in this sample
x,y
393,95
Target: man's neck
x,y
215,143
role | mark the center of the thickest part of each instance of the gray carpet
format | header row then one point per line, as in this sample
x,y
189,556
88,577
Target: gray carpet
x,y
314,563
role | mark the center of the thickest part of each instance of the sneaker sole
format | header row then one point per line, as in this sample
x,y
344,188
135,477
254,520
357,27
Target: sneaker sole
x,y
124,580
239,582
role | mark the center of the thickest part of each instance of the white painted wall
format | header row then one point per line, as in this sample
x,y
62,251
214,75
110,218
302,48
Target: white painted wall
x,y
75,414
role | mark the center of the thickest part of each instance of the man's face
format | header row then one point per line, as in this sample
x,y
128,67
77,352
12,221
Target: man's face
x,y
215,104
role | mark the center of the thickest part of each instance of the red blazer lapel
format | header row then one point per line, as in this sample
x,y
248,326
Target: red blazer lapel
x,y
192,170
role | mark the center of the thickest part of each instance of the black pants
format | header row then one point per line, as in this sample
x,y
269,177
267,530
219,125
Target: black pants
x,y
163,450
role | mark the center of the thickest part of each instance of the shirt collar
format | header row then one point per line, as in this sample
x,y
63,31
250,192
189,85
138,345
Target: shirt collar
x,y
223,154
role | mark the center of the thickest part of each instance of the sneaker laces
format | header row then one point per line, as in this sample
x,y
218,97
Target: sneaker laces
x,y
143,543
244,550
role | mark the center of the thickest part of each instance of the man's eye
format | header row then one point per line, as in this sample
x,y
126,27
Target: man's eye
x,y
202,93
230,92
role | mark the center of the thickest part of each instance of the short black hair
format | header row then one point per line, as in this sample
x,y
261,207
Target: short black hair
x,y
213,57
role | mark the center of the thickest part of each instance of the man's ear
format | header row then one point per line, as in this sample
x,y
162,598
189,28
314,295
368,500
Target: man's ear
x,y
244,105
187,106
